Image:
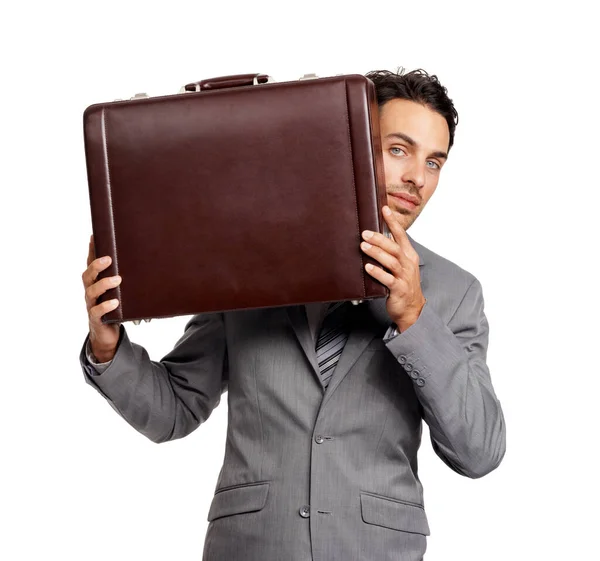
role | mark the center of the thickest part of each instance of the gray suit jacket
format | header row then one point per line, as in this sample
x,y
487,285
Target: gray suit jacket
x,y
319,475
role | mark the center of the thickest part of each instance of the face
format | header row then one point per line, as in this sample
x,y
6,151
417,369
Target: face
x,y
415,142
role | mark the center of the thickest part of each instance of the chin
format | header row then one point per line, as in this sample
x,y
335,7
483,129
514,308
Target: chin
x,y
404,216
401,212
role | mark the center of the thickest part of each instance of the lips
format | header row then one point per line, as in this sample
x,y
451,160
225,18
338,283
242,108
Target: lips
x,y
405,200
407,197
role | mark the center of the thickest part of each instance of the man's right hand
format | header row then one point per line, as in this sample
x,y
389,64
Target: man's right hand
x,y
103,337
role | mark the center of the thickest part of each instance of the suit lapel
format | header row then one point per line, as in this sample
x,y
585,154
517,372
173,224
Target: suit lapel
x,y
365,327
299,321
418,248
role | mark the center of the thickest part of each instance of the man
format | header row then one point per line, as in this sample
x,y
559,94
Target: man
x,y
325,421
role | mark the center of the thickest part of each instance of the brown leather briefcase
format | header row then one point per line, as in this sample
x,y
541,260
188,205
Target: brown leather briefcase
x,y
236,193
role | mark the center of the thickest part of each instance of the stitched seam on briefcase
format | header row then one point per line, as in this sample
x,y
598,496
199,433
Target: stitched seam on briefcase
x,y
354,182
110,204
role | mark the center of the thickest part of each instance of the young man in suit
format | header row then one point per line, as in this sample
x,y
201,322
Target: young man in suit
x,y
326,401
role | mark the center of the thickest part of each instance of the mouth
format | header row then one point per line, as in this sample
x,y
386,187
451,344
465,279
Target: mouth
x,y
407,201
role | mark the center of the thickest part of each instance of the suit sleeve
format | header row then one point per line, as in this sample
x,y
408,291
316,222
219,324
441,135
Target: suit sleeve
x,y
99,367
447,365
167,399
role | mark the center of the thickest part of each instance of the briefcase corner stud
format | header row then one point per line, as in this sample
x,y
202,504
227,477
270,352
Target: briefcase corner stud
x,y
138,321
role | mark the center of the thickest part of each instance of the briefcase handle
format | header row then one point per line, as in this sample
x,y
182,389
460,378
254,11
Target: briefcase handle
x,y
222,82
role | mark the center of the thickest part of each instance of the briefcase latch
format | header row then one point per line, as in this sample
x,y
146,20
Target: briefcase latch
x,y
136,96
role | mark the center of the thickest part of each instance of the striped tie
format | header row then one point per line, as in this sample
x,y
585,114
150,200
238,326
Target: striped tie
x,y
332,338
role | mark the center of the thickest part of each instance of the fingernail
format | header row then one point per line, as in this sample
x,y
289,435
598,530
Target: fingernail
x,y
367,234
104,260
365,245
116,280
387,211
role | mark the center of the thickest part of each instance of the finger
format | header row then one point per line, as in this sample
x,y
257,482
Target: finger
x,y
378,273
96,289
390,262
96,312
95,267
399,234
395,226
385,243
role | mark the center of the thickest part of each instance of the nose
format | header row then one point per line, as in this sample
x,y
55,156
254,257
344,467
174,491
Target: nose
x,y
414,173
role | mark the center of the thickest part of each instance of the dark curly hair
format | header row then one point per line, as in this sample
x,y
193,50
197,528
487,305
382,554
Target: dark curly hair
x,y
417,86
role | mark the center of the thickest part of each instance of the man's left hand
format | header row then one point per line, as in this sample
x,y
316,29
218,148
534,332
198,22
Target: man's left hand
x,y
405,300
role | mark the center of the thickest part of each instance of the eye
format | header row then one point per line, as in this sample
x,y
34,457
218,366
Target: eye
x,y
397,151
433,165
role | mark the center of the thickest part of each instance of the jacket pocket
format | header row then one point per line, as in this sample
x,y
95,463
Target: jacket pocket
x,y
393,514
250,497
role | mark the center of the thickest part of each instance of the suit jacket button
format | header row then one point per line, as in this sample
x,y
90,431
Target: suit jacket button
x,y
420,382
402,359
305,511
408,367
319,439
414,374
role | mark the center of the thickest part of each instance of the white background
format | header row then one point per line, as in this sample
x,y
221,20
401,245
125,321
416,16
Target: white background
x,y
517,205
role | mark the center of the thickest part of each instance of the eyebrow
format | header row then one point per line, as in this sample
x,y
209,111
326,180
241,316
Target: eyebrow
x,y
410,141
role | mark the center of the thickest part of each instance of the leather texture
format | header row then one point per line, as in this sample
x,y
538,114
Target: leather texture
x,y
313,473
237,197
